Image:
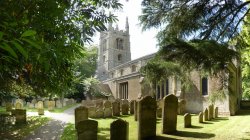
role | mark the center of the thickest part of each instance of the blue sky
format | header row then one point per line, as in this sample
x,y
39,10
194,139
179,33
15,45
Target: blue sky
x,y
141,43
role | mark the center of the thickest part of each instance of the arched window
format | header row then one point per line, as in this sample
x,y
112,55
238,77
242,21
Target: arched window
x,y
204,86
119,44
119,57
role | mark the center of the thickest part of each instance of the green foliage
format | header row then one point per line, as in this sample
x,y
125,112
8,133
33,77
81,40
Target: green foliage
x,y
219,95
40,40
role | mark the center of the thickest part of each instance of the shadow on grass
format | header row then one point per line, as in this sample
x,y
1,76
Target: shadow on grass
x,y
195,127
194,134
164,138
243,112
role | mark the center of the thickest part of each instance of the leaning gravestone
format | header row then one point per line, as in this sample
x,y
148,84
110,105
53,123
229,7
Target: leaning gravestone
x,y
119,130
125,108
40,108
8,107
51,105
18,105
169,114
116,108
206,115
87,130
216,112
81,114
187,120
20,115
200,117
210,112
132,106
146,118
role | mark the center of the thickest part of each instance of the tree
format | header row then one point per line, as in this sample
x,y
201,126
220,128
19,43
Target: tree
x,y
39,40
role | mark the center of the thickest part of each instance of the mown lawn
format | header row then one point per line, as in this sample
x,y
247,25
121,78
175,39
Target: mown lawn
x,y
222,128
19,131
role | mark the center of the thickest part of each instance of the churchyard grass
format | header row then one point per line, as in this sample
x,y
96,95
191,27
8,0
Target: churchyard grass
x,y
2,109
19,131
234,127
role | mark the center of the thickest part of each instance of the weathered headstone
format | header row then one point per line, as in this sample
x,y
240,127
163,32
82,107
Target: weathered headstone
x,y
200,117
34,101
136,110
20,115
40,108
107,104
210,112
46,103
187,120
216,112
169,114
107,112
87,130
125,101
146,118
81,114
124,109
58,104
91,111
119,130
116,108
206,115
31,105
8,107
51,105
132,106
99,113
18,105
181,106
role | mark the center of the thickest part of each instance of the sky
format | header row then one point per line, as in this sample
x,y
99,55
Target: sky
x,y
141,42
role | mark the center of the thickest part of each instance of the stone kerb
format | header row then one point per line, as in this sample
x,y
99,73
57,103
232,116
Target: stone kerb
x,y
87,130
116,108
216,112
132,106
206,115
40,108
146,118
169,114
119,130
200,117
81,114
187,120
181,106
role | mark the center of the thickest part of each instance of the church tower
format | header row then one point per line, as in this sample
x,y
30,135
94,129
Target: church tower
x,y
113,50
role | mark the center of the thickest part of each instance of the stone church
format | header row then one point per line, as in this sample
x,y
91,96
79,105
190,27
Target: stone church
x,y
122,75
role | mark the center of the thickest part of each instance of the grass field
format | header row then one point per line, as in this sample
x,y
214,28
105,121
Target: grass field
x,y
222,128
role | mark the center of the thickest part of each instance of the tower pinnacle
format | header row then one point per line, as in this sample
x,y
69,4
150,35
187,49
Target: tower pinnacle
x,y
127,25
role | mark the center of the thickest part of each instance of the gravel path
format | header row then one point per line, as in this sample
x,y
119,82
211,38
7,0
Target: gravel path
x,y
54,128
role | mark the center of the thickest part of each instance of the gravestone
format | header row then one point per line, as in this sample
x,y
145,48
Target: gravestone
x,y
107,104
132,106
8,107
210,112
99,113
98,103
87,130
20,115
181,106
200,117
58,104
51,105
124,109
40,108
159,112
46,103
146,118
31,105
34,101
18,105
27,104
169,114
116,108
91,111
119,130
125,101
206,115
187,120
107,112
81,114
216,112
136,110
